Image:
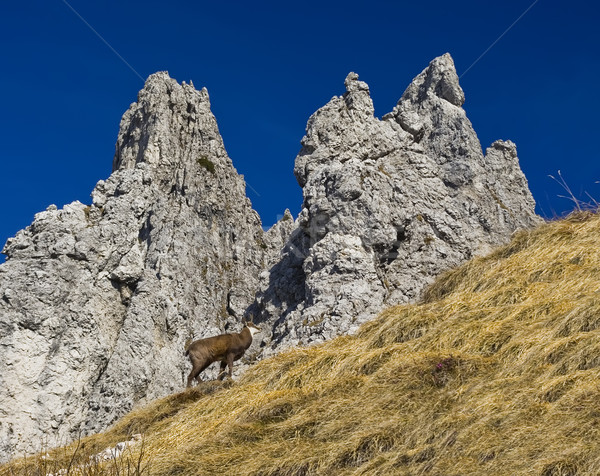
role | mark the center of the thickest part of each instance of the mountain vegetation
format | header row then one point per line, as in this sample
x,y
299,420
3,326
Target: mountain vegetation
x,y
495,371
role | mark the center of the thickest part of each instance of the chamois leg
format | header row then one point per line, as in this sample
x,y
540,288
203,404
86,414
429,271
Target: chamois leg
x,y
230,364
193,374
190,378
196,371
221,375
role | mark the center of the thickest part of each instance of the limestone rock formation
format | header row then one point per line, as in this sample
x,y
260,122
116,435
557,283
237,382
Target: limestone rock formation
x,y
388,205
97,301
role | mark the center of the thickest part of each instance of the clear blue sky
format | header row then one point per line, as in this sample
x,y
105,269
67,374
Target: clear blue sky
x,y
269,65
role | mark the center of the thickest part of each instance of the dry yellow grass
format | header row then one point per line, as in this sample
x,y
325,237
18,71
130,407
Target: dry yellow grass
x,y
496,372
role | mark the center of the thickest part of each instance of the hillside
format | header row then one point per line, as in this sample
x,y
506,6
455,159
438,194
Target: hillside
x,y
496,372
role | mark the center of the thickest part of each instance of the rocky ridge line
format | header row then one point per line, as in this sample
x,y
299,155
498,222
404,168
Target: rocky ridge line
x,y
96,301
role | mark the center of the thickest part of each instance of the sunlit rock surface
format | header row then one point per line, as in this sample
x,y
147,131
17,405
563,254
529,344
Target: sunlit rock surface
x,y
388,205
97,301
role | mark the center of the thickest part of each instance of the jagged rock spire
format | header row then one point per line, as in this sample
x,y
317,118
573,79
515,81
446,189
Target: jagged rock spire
x,y
439,79
388,205
96,301
165,114
357,96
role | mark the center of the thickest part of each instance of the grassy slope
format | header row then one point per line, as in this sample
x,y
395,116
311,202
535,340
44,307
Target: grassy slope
x,y
496,373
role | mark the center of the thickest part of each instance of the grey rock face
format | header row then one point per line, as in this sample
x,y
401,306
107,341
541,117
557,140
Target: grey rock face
x,y
388,205
97,301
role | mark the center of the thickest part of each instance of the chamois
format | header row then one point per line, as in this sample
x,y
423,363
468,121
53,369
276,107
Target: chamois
x,y
224,348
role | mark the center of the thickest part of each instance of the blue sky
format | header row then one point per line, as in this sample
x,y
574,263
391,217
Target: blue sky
x,y
269,65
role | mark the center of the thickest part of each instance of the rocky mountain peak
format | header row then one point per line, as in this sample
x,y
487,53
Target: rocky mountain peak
x,y
97,301
439,79
169,117
357,97
388,205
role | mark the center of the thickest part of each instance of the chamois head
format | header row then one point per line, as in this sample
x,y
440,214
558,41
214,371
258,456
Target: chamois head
x,y
251,327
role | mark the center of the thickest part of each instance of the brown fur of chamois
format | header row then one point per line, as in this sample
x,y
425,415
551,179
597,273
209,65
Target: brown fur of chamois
x,y
224,348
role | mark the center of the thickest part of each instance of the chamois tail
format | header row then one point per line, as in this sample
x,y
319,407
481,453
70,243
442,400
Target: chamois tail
x,y
188,342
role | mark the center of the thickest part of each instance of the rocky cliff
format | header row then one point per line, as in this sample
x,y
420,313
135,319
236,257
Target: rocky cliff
x,y
388,205
96,301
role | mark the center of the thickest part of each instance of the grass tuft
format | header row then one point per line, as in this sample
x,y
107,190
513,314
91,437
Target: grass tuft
x,y
205,162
